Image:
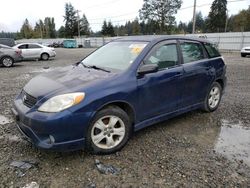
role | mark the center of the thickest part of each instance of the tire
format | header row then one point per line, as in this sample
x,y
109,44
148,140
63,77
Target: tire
x,y
7,61
213,97
44,56
109,131
243,55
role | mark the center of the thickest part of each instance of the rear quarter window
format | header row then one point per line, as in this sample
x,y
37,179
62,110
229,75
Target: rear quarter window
x,y
192,52
211,50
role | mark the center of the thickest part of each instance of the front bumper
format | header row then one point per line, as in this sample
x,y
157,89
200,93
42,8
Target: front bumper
x,y
52,54
62,131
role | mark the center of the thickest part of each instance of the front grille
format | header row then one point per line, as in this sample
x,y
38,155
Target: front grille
x,y
28,100
247,49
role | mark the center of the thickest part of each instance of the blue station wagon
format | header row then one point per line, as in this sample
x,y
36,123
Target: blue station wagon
x,y
122,87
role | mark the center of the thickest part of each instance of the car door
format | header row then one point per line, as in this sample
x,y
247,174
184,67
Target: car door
x,y
198,73
25,51
34,50
159,92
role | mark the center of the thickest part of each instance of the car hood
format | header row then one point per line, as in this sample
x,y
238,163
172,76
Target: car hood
x,y
68,79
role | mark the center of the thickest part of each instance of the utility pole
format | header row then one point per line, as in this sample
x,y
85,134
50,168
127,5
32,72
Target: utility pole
x,y
79,34
194,17
226,22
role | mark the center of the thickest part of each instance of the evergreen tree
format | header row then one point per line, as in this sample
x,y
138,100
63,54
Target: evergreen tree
x,y
71,23
136,30
241,21
61,32
200,25
84,25
104,28
26,30
39,29
217,16
160,11
182,27
52,28
110,29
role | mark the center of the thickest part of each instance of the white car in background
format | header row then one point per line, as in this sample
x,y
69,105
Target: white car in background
x,y
245,51
35,51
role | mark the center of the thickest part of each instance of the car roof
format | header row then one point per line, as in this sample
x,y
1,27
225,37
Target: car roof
x,y
28,43
158,38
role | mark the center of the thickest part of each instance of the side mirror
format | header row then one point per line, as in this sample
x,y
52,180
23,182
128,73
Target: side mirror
x,y
149,68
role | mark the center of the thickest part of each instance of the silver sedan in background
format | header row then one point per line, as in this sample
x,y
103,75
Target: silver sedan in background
x,y
245,51
35,51
9,56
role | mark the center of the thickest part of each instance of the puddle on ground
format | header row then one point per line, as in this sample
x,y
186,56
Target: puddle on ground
x,y
4,120
234,141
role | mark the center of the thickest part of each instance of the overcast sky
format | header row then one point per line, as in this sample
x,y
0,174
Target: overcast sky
x,y
14,12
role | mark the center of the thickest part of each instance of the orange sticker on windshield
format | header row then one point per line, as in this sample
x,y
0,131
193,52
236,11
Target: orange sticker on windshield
x,y
137,48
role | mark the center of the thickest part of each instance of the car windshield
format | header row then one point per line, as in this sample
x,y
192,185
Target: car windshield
x,y
115,55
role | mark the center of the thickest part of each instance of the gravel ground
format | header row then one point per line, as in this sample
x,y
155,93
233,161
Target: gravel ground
x,y
193,150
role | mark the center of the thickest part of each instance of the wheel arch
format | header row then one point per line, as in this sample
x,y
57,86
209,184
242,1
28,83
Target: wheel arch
x,y
128,108
221,82
44,53
4,56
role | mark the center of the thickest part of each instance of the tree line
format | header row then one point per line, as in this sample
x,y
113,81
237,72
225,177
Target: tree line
x,y
155,17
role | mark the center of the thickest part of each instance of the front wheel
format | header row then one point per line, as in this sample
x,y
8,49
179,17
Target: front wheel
x,y
109,131
45,56
7,61
213,98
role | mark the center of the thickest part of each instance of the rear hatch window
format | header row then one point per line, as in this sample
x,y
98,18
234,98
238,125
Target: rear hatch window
x,y
212,50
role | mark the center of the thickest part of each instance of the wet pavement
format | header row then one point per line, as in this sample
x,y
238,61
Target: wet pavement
x,y
234,141
196,149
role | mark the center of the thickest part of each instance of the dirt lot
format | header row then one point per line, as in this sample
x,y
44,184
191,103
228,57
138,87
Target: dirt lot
x,y
194,150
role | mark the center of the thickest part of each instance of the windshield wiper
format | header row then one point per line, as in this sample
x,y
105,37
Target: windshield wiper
x,y
98,68
94,67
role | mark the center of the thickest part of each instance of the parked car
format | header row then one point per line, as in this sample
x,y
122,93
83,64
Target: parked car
x,y
56,44
7,41
124,86
35,51
9,56
245,51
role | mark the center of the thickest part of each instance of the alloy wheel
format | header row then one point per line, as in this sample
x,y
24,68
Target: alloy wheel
x,y
108,132
7,62
214,97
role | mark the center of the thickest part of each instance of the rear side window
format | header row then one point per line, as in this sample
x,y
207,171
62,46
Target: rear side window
x,y
31,46
192,52
24,46
212,51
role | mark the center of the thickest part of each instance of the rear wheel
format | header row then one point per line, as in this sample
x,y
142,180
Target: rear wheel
x,y
213,98
109,131
45,56
243,55
7,61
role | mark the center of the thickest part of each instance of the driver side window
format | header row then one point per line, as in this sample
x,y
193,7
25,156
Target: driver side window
x,y
164,56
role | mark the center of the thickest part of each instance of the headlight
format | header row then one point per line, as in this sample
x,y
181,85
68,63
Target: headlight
x,y
61,102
